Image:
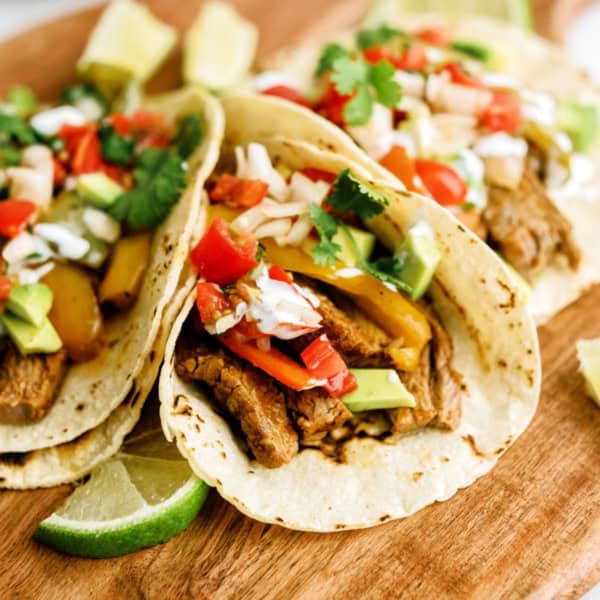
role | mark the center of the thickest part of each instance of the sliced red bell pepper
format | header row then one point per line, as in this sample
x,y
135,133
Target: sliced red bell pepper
x,y
504,112
145,120
15,215
59,173
222,259
5,287
458,76
444,184
413,58
273,362
277,273
433,35
83,146
288,93
341,384
153,140
399,163
318,174
210,301
376,54
121,123
239,193
322,359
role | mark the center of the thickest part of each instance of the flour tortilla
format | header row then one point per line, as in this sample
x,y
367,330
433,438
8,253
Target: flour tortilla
x,y
93,390
495,350
539,65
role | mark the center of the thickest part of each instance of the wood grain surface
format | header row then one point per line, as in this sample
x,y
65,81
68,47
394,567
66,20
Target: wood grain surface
x,y
531,528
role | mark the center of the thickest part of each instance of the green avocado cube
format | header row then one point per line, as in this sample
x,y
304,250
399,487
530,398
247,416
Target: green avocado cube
x,y
31,339
378,389
420,256
99,189
31,302
364,241
580,122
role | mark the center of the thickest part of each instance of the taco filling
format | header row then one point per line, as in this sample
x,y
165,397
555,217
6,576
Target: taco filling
x,y
306,330
433,111
82,190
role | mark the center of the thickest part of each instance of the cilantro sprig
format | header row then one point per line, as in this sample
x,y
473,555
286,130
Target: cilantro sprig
x,y
189,134
14,128
325,252
367,38
330,54
367,83
350,194
472,49
115,147
159,180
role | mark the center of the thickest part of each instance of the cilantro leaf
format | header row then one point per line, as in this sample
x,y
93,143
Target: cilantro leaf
x,y
325,252
115,147
10,156
349,74
160,178
330,54
189,134
367,38
387,89
472,49
15,128
352,195
366,82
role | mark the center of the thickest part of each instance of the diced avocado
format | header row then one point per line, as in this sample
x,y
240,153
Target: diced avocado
x,y
31,302
580,122
588,353
30,339
97,254
377,389
364,240
420,256
99,189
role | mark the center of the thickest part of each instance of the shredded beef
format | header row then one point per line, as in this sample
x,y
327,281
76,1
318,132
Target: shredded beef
x,y
527,227
28,384
248,394
316,413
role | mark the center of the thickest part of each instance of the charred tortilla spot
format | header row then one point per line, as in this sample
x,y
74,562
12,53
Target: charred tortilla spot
x,y
461,228
251,472
417,475
384,518
17,459
502,363
472,241
197,427
445,459
512,298
340,526
65,429
483,280
471,441
279,519
218,482
152,356
530,377
223,455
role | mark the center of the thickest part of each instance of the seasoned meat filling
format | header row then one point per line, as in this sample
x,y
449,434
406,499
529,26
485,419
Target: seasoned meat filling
x,y
248,394
527,227
28,384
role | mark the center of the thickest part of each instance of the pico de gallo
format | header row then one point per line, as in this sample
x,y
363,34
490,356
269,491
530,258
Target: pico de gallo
x,y
432,111
82,188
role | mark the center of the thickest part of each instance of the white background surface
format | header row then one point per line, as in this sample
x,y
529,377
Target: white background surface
x,y
583,41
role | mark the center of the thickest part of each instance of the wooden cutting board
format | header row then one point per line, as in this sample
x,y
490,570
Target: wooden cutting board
x,y
531,528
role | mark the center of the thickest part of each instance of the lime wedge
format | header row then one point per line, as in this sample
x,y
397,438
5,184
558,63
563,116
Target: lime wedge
x,y
219,48
141,498
517,12
127,42
588,353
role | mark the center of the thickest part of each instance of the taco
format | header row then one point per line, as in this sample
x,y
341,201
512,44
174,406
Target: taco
x,y
350,353
93,261
492,122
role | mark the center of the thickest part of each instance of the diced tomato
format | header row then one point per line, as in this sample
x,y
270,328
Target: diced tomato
x,y
121,123
413,58
15,215
115,172
318,174
5,287
504,112
277,273
376,54
59,173
222,259
322,359
444,184
273,362
239,193
145,120
458,76
341,384
83,146
288,93
332,105
433,35
400,164
210,301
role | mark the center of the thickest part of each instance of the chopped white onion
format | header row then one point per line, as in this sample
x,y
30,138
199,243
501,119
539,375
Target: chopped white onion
x,y
256,164
69,245
300,229
500,144
249,220
49,122
27,276
33,180
275,210
19,248
461,99
278,227
413,84
269,79
373,136
90,108
303,189
101,225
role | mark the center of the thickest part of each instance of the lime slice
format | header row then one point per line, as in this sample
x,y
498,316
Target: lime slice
x,y
588,353
141,498
219,48
517,12
127,42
